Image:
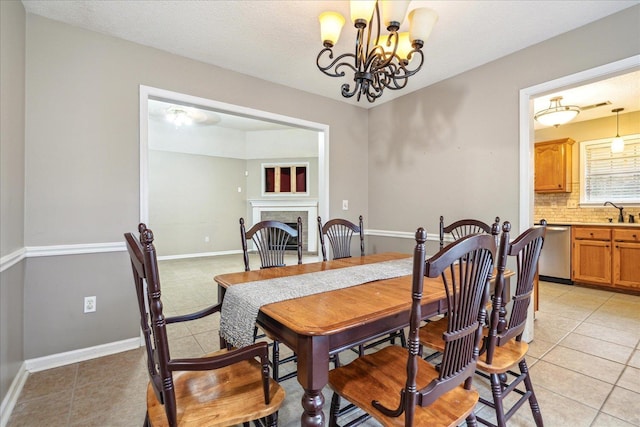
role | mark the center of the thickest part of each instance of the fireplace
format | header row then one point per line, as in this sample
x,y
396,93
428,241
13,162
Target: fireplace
x,y
288,211
292,243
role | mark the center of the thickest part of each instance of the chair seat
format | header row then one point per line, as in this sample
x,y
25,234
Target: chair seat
x,y
207,398
370,377
431,334
504,357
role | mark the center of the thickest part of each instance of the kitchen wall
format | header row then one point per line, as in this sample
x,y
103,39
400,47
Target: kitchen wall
x,y
565,207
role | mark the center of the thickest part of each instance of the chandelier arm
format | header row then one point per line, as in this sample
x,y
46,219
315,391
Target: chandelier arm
x,y
400,76
335,64
347,93
360,55
374,87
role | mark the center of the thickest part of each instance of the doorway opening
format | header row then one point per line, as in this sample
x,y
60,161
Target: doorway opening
x,y
527,137
165,159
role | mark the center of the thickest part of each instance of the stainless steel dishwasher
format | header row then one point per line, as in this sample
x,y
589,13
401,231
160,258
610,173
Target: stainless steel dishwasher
x,y
555,260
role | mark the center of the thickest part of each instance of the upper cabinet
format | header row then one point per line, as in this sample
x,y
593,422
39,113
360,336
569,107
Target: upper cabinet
x,y
553,166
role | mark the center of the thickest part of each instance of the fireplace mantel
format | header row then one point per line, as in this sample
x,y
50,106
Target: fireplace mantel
x,y
310,206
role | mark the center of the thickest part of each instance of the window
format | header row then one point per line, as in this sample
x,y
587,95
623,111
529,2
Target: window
x,y
284,179
607,176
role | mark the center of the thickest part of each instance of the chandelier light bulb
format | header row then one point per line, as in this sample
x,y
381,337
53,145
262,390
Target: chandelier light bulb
x,y
331,24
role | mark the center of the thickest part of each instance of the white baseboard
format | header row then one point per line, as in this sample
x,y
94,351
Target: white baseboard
x,y
80,355
199,255
399,234
11,398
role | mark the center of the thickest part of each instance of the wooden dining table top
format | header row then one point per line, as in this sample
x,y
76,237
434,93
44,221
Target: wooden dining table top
x,y
332,312
318,325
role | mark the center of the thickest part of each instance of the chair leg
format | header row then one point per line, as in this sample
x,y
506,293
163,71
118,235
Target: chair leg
x,y
496,390
335,409
272,420
533,401
276,360
471,420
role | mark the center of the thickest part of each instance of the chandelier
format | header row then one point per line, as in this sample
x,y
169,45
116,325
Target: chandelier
x,y
379,61
557,114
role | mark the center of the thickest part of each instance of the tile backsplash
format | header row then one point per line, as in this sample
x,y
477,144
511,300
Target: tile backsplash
x,y
565,207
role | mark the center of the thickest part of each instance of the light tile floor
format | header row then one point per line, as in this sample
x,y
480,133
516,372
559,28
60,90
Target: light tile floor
x,y
584,361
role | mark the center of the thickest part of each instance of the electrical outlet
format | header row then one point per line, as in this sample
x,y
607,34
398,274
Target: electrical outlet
x,y
345,205
89,304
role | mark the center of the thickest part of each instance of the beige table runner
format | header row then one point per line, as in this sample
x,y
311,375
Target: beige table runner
x,y
242,302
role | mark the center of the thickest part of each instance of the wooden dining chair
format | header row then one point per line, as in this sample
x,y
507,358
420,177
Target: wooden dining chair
x,y
339,232
399,388
224,388
463,227
271,240
502,347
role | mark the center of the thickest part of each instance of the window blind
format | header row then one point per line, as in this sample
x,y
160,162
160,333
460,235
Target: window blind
x,y
612,176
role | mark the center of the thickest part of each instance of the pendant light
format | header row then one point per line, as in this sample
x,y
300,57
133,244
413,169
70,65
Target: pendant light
x,y
617,143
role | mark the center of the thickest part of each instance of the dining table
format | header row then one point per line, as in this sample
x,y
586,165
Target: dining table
x,y
323,324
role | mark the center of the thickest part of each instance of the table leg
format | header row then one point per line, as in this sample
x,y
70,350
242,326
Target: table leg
x,y
313,375
312,403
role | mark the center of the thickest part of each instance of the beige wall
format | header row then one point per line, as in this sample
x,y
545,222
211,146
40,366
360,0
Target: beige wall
x,y
452,148
12,83
560,207
82,168
192,197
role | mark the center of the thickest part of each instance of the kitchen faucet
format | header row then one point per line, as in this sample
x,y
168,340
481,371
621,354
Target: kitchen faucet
x,y
621,215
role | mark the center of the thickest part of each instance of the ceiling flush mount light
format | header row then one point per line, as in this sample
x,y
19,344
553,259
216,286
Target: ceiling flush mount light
x,y
178,116
557,114
617,143
380,60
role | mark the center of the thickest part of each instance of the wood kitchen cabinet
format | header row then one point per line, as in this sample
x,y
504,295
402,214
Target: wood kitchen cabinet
x,y
626,258
591,255
553,166
607,256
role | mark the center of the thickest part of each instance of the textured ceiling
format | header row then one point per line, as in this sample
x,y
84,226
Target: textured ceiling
x,y
278,40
